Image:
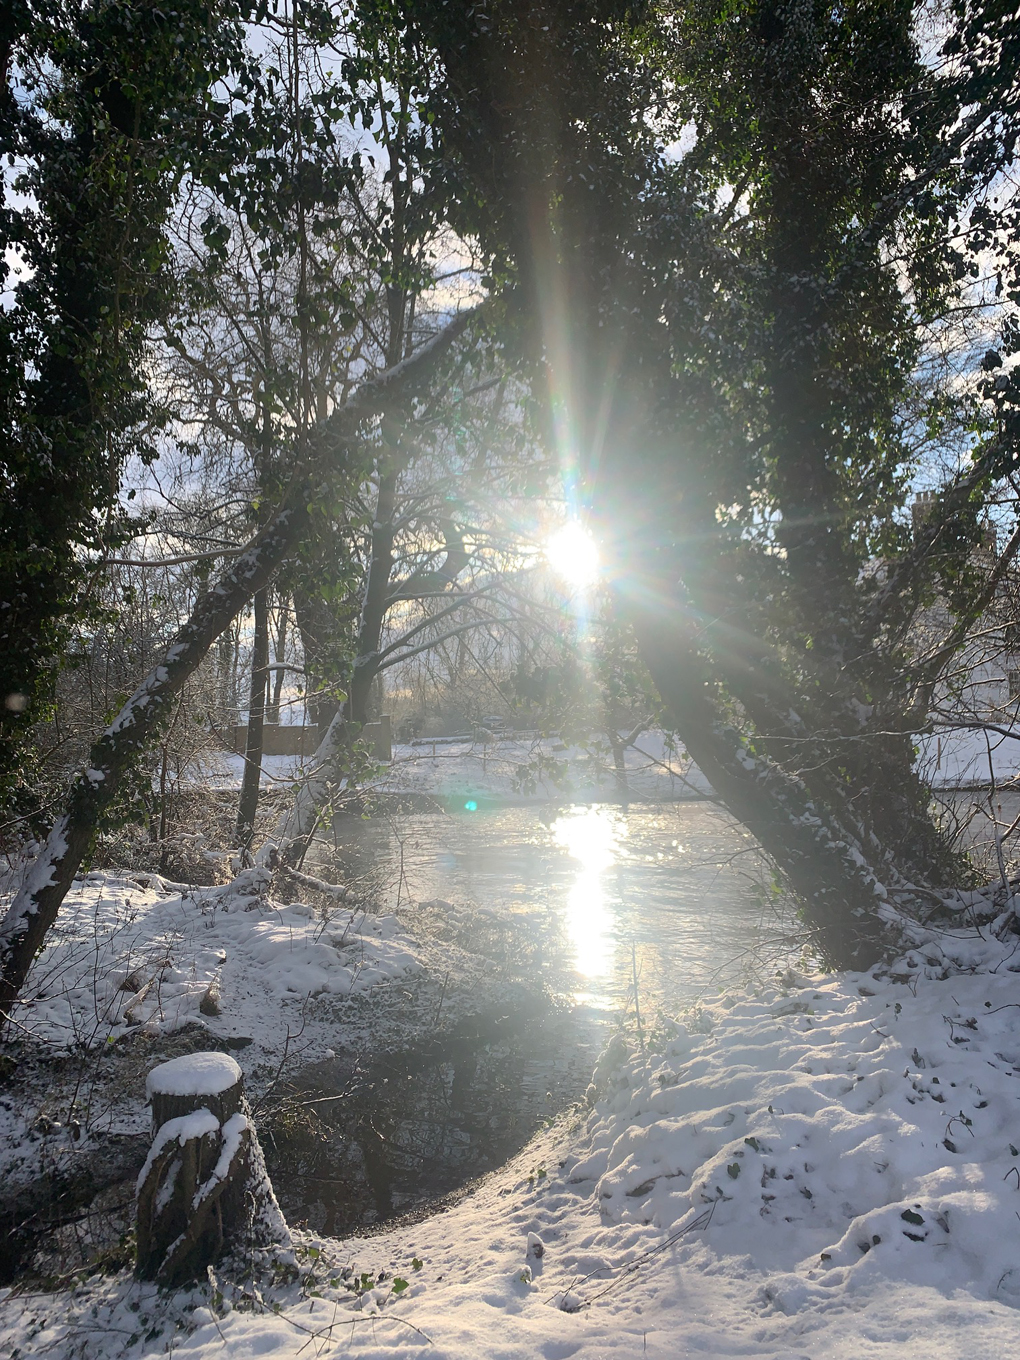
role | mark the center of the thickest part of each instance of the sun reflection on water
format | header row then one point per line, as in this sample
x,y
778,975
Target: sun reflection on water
x,y
591,836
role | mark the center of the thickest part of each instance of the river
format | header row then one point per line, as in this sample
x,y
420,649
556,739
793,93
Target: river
x,y
599,917
677,892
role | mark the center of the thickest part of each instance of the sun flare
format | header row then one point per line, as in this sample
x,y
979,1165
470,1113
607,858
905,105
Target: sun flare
x,y
572,553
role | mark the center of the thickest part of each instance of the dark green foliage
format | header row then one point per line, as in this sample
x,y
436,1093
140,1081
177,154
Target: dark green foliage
x,y
104,108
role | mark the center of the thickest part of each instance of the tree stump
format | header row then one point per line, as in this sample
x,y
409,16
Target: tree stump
x,y
203,1189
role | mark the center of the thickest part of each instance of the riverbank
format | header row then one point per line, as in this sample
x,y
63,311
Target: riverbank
x,y
507,769
824,1168
519,770
829,1166
399,1042
310,996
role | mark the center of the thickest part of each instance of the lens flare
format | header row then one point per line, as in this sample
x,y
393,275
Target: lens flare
x,y
573,555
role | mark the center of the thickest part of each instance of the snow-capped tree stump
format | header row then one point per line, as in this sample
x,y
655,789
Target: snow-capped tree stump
x,y
203,1189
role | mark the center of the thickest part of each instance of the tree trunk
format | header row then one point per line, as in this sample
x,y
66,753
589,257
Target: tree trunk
x,y
821,859
321,638
203,1190
273,711
93,792
299,825
377,598
249,800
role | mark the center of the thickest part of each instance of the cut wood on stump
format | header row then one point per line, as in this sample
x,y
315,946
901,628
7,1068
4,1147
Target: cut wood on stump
x,y
203,1189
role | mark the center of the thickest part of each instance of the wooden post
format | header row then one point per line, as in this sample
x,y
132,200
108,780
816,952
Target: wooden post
x,y
204,1188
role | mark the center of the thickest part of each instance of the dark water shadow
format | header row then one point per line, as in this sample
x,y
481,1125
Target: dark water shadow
x,y
350,1146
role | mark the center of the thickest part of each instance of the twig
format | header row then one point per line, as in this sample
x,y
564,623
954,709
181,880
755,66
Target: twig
x,y
696,1224
637,1004
442,998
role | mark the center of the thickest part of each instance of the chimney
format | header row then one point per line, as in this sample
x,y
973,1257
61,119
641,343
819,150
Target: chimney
x,y
924,503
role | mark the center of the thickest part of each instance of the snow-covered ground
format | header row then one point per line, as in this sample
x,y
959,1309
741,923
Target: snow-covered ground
x,y
132,952
961,757
541,770
512,770
508,769
825,1168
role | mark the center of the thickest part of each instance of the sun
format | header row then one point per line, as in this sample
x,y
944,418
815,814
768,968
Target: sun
x,y
573,555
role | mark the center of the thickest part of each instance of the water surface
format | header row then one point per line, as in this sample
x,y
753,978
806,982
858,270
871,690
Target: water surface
x,y
679,891
590,915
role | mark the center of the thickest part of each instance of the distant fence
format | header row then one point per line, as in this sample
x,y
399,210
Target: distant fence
x,y
293,740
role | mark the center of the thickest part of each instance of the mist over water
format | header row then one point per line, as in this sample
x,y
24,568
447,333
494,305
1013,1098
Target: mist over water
x,y
579,911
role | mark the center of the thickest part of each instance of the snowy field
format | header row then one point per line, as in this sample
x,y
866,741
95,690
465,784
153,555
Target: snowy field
x,y
826,1168
965,758
542,769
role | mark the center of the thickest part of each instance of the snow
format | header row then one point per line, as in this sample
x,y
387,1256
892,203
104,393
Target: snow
x,y
40,874
510,769
132,952
519,770
539,769
194,1074
962,757
233,1131
198,1124
825,1167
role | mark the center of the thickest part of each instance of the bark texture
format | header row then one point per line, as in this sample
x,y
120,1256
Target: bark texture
x,y
249,800
203,1190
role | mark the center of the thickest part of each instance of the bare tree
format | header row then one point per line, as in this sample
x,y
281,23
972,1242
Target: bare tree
x,y
94,791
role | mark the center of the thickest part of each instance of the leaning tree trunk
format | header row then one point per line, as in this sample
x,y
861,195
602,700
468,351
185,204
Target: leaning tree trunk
x,y
845,904
35,907
249,800
95,789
